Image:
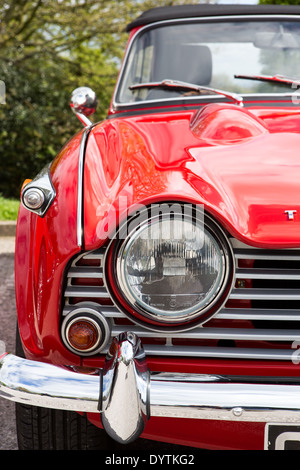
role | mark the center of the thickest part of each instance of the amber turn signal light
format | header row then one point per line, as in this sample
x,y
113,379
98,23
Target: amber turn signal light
x,y
85,330
83,334
27,181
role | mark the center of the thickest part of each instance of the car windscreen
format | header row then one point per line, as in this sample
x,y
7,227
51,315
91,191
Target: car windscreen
x,y
210,53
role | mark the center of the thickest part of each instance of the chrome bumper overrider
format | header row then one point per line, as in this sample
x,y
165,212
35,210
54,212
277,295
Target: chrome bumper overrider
x,y
127,394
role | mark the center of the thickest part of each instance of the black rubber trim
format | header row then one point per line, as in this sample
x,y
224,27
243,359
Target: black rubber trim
x,y
201,11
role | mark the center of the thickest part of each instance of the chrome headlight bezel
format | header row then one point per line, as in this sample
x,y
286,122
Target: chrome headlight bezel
x,y
42,187
117,281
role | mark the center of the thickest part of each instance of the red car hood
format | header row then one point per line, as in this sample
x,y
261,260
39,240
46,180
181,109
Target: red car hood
x,y
243,166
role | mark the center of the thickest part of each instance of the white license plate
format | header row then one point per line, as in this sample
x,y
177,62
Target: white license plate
x,y
282,436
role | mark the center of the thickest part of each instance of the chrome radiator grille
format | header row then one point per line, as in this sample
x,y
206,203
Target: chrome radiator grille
x,y
261,319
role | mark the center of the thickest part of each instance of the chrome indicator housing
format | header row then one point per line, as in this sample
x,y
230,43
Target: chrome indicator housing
x,y
38,195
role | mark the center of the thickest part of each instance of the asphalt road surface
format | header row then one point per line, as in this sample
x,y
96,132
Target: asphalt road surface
x,y
8,318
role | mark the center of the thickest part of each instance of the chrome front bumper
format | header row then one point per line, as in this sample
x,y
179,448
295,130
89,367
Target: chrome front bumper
x,y
127,394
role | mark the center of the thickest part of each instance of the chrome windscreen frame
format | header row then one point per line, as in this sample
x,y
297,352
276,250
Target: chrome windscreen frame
x,y
122,106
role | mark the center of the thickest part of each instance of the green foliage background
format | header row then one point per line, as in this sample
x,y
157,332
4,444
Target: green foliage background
x,y
48,48
282,2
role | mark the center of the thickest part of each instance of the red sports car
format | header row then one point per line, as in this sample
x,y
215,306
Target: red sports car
x,y
158,256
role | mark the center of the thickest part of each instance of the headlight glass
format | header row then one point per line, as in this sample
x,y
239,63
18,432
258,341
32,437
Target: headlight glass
x,y
172,269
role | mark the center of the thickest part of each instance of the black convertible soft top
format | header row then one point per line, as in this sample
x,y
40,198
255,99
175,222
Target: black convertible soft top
x,y
203,10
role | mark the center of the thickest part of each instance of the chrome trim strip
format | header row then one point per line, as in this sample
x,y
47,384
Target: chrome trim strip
x,y
219,352
80,185
237,244
109,311
218,334
96,254
85,272
290,274
120,106
279,255
87,292
265,294
258,314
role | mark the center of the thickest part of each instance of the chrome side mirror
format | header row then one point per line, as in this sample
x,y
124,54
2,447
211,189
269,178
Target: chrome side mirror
x,y
83,103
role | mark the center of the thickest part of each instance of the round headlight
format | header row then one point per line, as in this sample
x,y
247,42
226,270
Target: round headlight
x,y
172,270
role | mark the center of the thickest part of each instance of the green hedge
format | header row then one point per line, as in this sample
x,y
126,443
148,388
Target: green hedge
x,y
8,208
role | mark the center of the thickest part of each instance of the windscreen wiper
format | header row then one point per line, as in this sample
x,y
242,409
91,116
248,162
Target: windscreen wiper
x,y
278,79
167,83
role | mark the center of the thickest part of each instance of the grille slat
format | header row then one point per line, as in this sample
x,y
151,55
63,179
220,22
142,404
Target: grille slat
x,y
220,352
87,292
280,255
258,314
291,274
260,320
265,294
110,311
221,334
86,272
241,248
